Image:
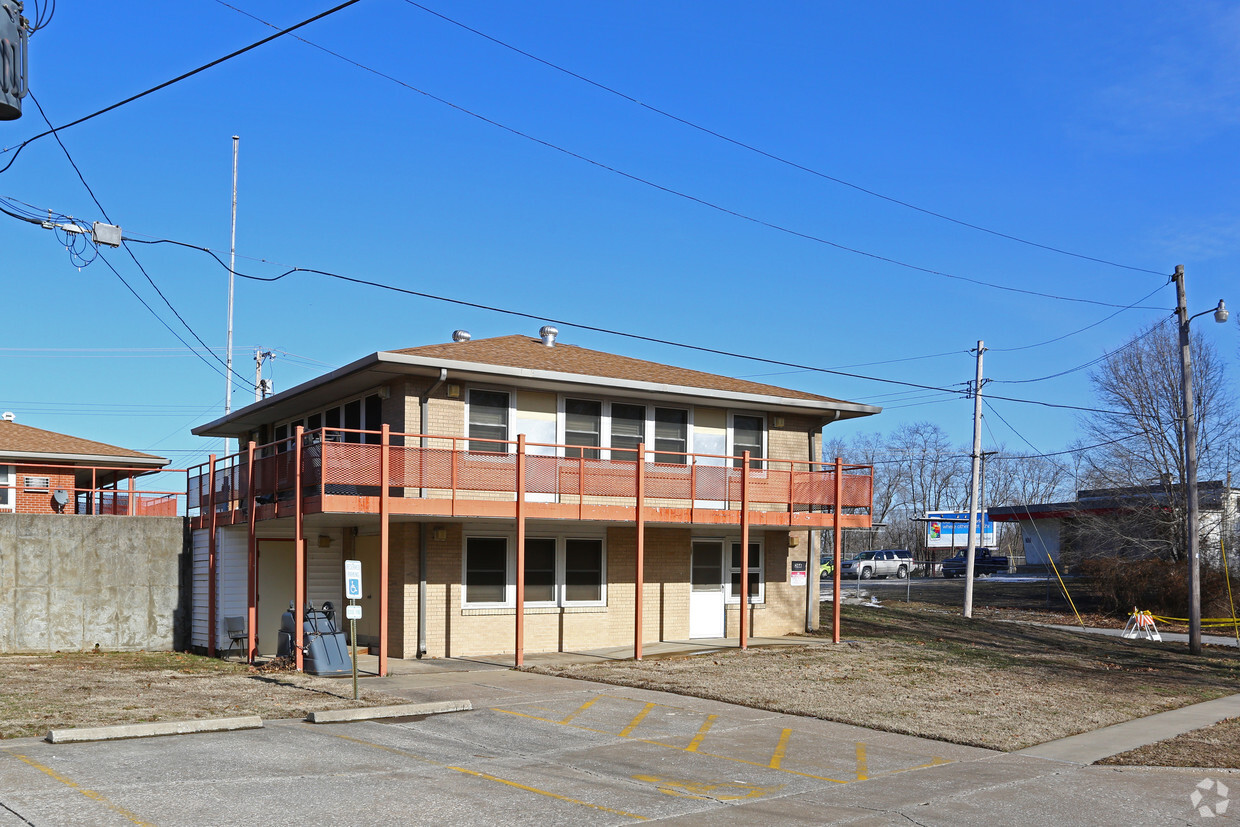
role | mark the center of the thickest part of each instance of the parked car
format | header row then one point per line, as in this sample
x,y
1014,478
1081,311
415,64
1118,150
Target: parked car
x,y
984,562
883,563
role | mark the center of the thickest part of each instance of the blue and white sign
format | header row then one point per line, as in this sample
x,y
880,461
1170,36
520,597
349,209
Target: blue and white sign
x,y
950,529
353,579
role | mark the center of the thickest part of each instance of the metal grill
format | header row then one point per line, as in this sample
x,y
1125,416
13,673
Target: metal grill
x,y
344,464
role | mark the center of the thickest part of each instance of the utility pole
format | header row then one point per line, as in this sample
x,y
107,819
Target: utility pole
x,y
1190,466
232,271
260,387
973,486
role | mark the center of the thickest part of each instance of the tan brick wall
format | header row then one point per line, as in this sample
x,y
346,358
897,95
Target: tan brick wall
x,y
456,632
791,440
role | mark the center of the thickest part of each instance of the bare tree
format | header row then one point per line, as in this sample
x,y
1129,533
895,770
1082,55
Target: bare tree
x,y
1138,440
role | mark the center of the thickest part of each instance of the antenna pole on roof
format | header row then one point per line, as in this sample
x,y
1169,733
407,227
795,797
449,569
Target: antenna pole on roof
x,y
232,272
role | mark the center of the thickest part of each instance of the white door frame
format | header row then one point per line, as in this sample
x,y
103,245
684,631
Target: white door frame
x,y
707,606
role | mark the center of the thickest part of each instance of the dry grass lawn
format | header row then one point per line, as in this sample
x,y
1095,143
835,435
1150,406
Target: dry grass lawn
x,y
64,690
1213,747
922,670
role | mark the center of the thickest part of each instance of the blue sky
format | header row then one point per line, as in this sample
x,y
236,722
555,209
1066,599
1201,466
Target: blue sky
x,y
1105,129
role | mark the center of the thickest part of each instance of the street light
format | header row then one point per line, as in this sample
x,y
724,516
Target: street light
x,y
1190,455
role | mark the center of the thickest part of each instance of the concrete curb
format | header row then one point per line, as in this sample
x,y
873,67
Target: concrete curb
x,y
369,713
111,733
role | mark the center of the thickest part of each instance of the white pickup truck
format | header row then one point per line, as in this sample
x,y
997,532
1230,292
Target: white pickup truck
x,y
882,563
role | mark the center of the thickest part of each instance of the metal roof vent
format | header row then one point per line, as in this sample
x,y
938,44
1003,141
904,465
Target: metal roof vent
x,y
548,334
460,336
9,416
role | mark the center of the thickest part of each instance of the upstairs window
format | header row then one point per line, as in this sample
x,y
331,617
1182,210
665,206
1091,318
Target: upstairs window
x,y
628,430
747,436
671,433
582,427
488,419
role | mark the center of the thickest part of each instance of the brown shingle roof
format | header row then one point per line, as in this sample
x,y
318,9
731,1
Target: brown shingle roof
x,y
22,439
531,354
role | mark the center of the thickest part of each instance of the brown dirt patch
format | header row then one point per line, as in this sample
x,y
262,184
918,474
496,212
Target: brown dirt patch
x,y
921,670
65,690
1217,746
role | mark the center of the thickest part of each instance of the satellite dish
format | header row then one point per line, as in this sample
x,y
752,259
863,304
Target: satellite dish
x,y
61,498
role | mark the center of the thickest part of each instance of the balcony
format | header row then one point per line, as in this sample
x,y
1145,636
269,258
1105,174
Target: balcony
x,y
339,471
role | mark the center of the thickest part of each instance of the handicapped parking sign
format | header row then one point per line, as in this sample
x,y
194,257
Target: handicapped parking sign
x,y
353,579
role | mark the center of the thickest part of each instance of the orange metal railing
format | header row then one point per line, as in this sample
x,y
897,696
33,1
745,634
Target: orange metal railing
x,y
347,462
124,497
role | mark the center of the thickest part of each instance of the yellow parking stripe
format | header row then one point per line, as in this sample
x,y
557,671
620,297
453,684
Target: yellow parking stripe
x,y
637,719
701,733
484,775
91,794
548,794
581,709
780,749
863,768
691,748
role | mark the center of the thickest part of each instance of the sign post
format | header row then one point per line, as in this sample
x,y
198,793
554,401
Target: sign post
x,y
353,590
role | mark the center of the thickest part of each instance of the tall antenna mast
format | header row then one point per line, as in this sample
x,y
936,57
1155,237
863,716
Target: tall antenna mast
x,y
232,271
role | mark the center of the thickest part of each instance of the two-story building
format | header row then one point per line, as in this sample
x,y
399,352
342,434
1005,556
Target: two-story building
x,y
611,499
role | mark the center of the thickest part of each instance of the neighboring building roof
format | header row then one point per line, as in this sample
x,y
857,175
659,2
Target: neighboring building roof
x,y
1109,500
528,362
24,443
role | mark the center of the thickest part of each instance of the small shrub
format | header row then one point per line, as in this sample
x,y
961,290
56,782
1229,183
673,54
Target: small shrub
x,y
1153,585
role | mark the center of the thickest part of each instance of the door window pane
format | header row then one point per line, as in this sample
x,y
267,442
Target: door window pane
x,y
707,574
628,430
486,569
747,436
488,419
353,420
582,420
539,570
583,570
374,419
671,433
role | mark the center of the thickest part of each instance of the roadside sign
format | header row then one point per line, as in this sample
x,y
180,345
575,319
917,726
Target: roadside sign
x,y
353,612
353,579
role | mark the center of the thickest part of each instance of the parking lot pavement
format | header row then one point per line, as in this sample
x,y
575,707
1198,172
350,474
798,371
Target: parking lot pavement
x,y
555,751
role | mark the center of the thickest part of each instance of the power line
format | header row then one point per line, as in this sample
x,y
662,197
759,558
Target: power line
x,y
684,195
1088,364
764,153
1081,330
17,150
236,376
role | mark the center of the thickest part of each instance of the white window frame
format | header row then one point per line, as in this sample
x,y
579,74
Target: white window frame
x,y
653,438
510,562
728,569
8,478
508,448
510,574
765,447
604,424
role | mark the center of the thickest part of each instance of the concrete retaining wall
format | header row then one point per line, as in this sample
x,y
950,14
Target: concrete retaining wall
x,y
71,582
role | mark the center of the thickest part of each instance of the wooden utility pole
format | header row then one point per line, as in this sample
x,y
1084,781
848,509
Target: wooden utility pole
x,y
977,455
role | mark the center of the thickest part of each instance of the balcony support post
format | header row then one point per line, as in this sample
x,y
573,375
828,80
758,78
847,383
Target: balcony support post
x,y
252,553
519,656
211,550
385,440
744,604
838,541
639,576
299,552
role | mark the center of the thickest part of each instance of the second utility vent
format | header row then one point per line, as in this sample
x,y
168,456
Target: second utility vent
x,y
548,334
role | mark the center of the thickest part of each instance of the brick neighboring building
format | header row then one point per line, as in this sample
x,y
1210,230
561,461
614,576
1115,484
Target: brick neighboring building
x,y
519,448
44,472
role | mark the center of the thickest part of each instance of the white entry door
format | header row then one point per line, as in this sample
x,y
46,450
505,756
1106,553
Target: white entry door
x,y
706,595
